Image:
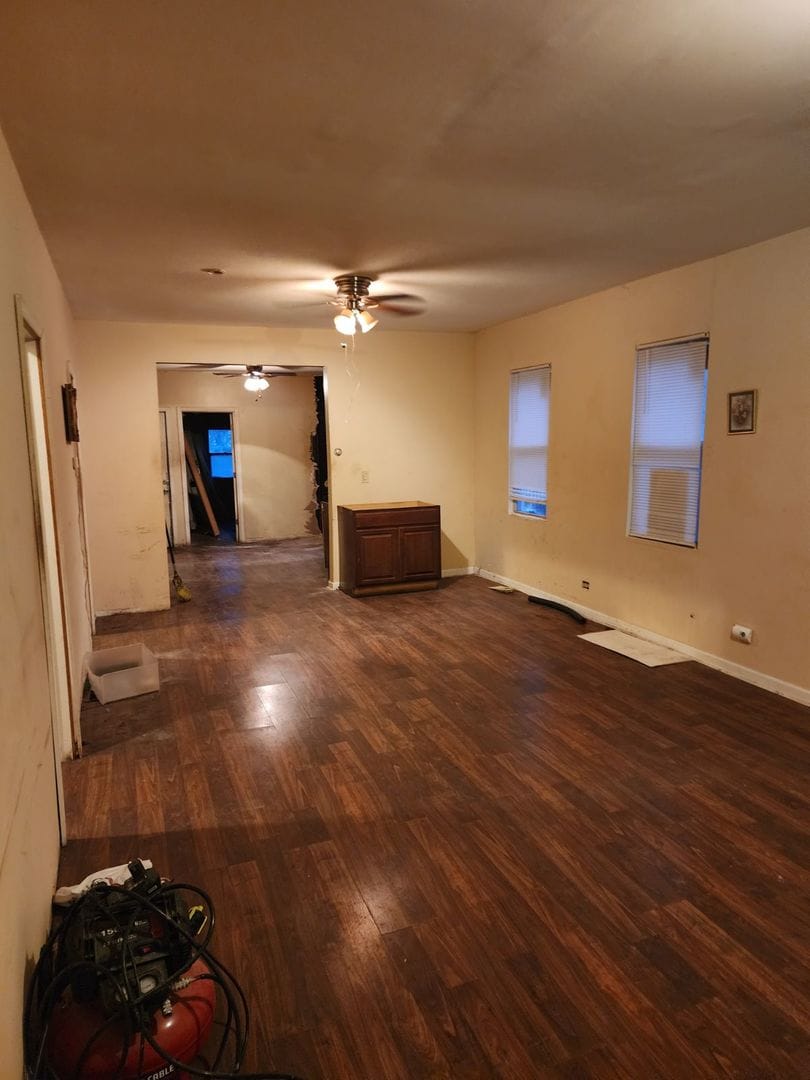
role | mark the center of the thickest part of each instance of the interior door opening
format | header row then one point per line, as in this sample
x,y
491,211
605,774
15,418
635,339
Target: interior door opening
x,y
319,452
210,476
251,467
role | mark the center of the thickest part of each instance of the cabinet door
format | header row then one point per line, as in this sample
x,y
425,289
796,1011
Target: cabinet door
x,y
420,552
377,554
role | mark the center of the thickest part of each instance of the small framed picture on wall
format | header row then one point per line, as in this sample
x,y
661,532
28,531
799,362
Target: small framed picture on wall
x,y
742,412
71,412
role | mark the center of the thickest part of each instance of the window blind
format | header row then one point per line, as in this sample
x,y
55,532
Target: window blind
x,y
669,407
530,392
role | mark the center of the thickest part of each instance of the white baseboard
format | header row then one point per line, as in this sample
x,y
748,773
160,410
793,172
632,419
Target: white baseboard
x,y
718,663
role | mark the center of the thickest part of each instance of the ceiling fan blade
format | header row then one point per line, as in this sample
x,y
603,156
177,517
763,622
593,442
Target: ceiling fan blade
x,y
403,308
187,367
396,296
230,374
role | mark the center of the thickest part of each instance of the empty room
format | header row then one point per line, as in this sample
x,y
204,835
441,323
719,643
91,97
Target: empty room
x,y
405,540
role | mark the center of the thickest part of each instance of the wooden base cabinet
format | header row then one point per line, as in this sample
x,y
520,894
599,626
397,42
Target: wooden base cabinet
x,y
389,547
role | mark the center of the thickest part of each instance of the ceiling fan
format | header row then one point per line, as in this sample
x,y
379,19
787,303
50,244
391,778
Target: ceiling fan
x,y
356,304
256,376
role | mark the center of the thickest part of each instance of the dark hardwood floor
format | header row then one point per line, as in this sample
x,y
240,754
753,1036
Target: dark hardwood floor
x,y
446,838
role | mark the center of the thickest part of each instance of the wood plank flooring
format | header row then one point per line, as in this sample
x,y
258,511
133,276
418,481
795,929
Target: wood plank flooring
x,y
448,839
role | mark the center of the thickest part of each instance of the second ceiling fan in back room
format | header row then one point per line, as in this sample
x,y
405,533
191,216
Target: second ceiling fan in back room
x,y
255,375
357,304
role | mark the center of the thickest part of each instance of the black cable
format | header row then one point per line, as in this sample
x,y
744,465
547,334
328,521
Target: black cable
x,y
217,965
44,988
126,1039
47,993
88,1046
207,1072
141,1053
570,612
216,979
226,1025
59,983
127,944
201,951
44,962
42,995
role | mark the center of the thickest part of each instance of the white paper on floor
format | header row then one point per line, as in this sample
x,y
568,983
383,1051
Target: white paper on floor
x,y
646,652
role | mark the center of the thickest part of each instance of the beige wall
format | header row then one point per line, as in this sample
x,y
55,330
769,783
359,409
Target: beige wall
x,y
275,471
753,560
400,408
29,841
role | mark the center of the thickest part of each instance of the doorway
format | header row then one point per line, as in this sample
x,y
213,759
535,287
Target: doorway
x,y
168,507
210,476
278,447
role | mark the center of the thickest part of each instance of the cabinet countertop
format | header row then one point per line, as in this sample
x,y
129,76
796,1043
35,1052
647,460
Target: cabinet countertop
x,y
384,506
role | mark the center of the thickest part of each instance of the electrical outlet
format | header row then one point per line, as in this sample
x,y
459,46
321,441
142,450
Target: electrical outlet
x,y
364,476
742,633
586,584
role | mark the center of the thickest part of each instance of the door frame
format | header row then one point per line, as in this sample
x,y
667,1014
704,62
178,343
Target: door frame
x,y
177,471
178,474
164,440
65,732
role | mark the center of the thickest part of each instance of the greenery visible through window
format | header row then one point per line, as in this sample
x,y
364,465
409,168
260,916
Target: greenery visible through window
x,y
529,396
669,414
220,447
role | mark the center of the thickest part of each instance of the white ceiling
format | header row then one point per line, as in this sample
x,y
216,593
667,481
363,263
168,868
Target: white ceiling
x,y
495,158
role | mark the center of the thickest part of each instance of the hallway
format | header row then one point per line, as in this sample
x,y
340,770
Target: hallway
x,y
447,839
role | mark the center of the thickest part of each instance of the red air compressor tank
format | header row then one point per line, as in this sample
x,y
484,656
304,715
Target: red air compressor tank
x,y
74,1027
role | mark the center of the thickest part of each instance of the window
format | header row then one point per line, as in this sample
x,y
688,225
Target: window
x,y
220,447
669,412
529,395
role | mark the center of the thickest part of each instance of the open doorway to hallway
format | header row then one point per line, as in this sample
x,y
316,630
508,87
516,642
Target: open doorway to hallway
x,y
211,480
239,465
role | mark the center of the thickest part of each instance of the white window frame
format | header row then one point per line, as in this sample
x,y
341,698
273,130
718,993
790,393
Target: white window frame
x,y
678,464
513,498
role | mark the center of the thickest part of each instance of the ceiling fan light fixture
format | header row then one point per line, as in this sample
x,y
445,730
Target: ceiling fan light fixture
x,y
256,383
344,322
354,298
365,320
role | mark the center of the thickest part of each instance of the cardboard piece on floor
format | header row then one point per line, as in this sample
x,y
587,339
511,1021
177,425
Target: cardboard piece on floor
x,y
645,652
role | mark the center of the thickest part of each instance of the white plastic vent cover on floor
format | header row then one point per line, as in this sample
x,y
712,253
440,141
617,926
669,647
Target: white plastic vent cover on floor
x,y
646,652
